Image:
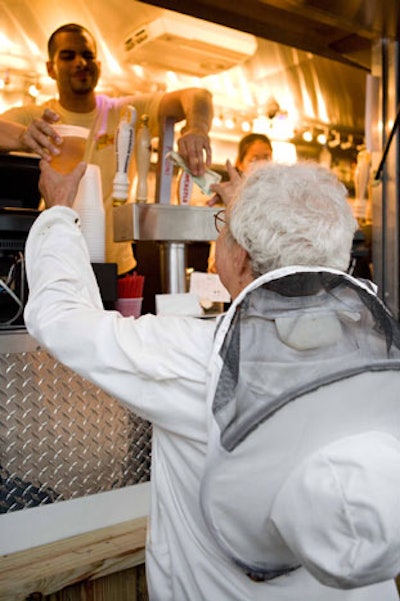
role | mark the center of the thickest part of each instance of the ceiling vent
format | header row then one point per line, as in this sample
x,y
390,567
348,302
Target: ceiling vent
x,y
188,45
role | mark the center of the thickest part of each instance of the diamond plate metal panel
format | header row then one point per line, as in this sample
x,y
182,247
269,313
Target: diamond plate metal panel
x,y
61,437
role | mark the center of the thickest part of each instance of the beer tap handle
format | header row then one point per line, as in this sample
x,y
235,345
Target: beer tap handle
x,y
125,142
143,155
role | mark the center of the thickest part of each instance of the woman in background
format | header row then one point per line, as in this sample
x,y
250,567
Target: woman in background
x,y
252,149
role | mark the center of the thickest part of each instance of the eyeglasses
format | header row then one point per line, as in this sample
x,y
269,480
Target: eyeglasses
x,y
220,220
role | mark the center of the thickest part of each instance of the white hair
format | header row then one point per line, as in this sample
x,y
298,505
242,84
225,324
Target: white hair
x,y
293,215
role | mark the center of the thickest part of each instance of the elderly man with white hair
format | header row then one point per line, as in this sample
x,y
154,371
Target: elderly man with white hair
x,y
275,454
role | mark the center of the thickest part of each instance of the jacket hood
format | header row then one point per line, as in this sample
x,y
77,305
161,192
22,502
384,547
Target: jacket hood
x,y
304,358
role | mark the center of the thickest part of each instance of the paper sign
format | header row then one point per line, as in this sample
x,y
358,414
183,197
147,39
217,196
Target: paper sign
x,y
208,286
178,304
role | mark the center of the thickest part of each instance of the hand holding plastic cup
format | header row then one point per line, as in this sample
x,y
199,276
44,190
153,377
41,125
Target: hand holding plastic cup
x,y
72,149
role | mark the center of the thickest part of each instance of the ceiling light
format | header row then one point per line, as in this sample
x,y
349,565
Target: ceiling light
x,y
335,140
217,122
347,145
33,91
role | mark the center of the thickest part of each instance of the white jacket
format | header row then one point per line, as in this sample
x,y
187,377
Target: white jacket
x,y
158,367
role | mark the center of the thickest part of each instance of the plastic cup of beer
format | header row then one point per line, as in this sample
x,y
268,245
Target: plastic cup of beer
x,y
72,149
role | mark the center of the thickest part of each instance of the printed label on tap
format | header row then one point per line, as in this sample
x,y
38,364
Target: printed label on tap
x,y
185,187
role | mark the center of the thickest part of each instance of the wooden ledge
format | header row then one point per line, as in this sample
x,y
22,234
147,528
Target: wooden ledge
x,y
49,568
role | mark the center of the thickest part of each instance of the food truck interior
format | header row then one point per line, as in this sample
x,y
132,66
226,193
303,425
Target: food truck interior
x,y
298,71
320,78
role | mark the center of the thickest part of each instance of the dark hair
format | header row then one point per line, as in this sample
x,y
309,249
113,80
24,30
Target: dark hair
x,y
247,141
69,28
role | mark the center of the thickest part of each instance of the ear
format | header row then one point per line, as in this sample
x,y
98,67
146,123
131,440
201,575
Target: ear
x,y
50,69
242,264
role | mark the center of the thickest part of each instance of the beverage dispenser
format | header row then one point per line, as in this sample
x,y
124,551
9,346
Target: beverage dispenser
x,y
173,226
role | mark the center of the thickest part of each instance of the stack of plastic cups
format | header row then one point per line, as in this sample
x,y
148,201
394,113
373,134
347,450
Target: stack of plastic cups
x,y
89,206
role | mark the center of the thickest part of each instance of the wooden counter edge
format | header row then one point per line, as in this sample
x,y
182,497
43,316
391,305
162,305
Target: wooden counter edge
x,y
51,567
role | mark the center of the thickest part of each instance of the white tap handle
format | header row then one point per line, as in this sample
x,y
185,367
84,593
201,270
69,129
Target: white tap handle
x,y
125,142
143,155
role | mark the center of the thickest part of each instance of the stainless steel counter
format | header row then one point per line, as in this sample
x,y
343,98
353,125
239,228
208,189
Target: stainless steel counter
x,y
61,437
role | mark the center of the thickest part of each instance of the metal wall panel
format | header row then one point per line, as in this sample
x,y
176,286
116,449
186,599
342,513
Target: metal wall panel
x,y
61,437
386,192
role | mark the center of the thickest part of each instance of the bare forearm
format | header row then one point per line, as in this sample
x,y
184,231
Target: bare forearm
x,y
198,110
11,136
192,104
36,135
